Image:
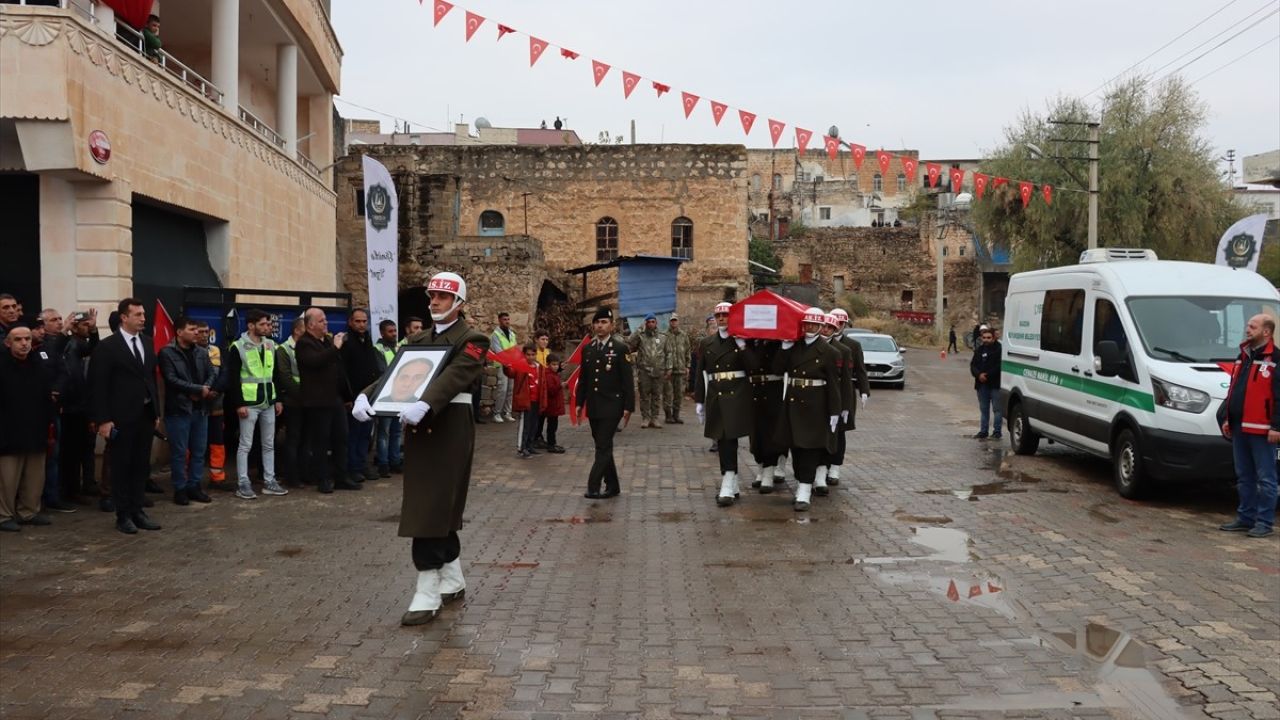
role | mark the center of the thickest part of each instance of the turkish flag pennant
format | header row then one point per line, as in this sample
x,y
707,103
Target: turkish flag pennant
x,y
567,53
474,22
576,360
513,358
909,166
690,102
859,153
748,119
629,82
934,171
442,8
661,88
998,182
1025,189
975,590
957,180
1047,192
717,111
503,30
953,593
775,130
833,146
599,70
162,331
883,158
536,47
802,139
980,183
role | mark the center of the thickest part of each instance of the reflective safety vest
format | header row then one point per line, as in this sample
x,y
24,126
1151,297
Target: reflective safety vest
x,y
256,367
387,352
290,350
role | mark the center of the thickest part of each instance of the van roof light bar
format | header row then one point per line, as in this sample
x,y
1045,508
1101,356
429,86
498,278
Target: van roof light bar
x,y
1098,255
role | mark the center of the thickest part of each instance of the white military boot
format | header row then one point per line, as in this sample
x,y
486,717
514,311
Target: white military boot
x,y
452,585
802,496
425,605
728,489
780,472
833,475
765,481
820,481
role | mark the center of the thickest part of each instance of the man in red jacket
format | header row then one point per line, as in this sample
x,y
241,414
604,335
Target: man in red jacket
x,y
1253,425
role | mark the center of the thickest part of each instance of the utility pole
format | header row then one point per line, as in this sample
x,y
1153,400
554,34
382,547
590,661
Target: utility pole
x,y
1093,141
1231,168
938,309
526,195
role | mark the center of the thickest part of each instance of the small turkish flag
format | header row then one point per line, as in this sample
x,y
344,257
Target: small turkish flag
x,y
975,590
802,139
442,8
934,171
474,22
953,593
536,47
717,110
599,70
883,158
999,182
980,183
567,53
909,166
162,330
833,146
859,153
661,88
629,82
748,119
503,30
1025,189
957,179
1047,192
992,587
775,130
690,102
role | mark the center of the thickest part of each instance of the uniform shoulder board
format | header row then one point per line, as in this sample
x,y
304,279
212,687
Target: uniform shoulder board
x,y
473,350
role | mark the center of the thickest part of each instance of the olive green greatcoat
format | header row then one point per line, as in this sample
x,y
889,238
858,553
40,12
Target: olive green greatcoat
x,y
729,404
806,419
845,366
861,381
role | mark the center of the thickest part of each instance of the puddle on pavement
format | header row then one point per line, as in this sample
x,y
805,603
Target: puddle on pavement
x,y
672,516
1123,676
984,591
1008,484
289,551
582,519
947,544
902,516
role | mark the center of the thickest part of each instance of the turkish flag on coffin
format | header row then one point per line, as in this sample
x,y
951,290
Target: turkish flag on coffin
x,y
767,316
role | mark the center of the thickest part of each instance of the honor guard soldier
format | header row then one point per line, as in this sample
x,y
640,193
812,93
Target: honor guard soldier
x,y
606,389
653,368
439,441
724,400
845,365
861,384
811,402
766,395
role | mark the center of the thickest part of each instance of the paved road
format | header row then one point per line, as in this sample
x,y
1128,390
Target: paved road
x,y
943,579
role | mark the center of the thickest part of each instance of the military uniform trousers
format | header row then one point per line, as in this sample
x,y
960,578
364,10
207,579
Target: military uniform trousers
x,y
651,388
673,393
604,469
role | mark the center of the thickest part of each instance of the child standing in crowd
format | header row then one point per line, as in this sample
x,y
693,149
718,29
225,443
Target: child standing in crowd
x,y
524,400
552,401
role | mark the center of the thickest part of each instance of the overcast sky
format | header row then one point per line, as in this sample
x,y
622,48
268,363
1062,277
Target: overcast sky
x,y
941,77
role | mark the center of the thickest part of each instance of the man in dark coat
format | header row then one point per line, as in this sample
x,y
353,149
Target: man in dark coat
x,y
811,404
322,392
844,365
439,441
26,411
78,459
188,384
606,389
363,363
985,369
861,388
724,399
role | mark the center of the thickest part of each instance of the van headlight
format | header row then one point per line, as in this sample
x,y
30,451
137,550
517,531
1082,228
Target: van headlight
x,y
1177,397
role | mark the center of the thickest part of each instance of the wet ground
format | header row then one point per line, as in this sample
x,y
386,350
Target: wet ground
x,y
944,578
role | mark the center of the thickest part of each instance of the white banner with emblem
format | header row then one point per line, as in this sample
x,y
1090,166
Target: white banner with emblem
x,y
381,246
1241,244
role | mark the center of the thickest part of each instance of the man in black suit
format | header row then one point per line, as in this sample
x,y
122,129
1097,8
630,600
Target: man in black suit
x,y
124,404
606,389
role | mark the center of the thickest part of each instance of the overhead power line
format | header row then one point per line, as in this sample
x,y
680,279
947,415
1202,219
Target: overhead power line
x,y
388,115
1233,62
1215,36
1249,27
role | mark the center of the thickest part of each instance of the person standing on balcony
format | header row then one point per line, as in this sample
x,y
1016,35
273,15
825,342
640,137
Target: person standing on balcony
x,y
151,37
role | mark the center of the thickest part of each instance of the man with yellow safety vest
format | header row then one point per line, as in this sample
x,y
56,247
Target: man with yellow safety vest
x,y
288,390
503,338
386,432
250,367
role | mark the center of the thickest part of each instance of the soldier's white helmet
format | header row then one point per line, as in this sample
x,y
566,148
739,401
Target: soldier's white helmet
x,y
815,315
722,307
833,320
841,315
450,283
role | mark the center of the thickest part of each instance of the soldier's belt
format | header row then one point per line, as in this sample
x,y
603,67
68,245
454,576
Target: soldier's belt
x,y
762,379
463,398
806,382
730,375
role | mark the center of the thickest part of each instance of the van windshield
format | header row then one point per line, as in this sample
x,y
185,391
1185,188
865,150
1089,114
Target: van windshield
x,y
1194,329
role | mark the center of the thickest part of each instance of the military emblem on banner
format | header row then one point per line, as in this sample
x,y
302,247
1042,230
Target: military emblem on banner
x,y
378,206
1240,250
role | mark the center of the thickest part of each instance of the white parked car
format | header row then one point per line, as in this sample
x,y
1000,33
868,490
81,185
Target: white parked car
x,y
883,357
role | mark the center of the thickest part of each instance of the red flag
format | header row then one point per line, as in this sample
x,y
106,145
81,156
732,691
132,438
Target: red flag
x,y
802,138
567,53
1025,189
536,47
980,183
999,182
1047,192
599,70
833,146
717,111
576,357
572,382
162,332
474,22
503,30
934,171
957,180
690,102
975,590
909,165
442,8
953,593
775,130
661,88
513,358
859,153
748,119
883,158
134,12
629,82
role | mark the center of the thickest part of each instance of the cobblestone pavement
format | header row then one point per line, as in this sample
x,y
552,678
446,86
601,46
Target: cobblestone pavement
x,y
942,579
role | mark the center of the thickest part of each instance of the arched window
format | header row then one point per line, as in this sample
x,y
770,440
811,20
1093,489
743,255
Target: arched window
x,y
777,181
682,238
492,224
902,182
877,183
853,180
755,182
606,239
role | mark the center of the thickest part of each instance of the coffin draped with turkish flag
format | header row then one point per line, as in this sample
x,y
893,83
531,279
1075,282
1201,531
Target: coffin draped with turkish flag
x,y
767,315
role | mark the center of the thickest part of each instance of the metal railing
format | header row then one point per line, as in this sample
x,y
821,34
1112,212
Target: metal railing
x,y
261,128
306,163
192,79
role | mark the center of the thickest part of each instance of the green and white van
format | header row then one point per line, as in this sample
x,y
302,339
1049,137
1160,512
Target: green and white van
x,y
1120,356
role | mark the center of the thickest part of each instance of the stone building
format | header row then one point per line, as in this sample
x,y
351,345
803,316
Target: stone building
x,y
513,219
126,174
369,132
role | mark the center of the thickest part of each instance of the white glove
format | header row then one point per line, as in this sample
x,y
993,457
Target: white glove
x,y
413,414
741,343
834,419
787,344
701,411
864,401
361,410
844,415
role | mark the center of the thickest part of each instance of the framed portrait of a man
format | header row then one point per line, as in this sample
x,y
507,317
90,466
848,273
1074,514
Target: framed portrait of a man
x,y
410,371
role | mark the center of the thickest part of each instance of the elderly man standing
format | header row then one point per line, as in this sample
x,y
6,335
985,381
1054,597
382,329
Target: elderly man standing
x,y
323,391
679,352
652,368
26,410
1253,424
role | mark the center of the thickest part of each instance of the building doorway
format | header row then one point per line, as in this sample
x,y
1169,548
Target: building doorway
x,y
170,251
20,271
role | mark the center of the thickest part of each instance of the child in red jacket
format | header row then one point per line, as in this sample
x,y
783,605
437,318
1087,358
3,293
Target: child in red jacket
x,y
552,400
524,400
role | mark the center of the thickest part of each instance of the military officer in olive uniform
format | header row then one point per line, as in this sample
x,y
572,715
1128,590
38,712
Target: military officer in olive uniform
x,y
653,368
844,364
811,403
439,441
861,390
679,353
607,391
724,399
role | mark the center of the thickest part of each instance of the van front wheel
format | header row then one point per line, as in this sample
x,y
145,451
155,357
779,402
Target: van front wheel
x,y
1022,438
1126,459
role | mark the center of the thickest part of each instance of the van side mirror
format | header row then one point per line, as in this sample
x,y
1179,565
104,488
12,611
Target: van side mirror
x,y
1108,360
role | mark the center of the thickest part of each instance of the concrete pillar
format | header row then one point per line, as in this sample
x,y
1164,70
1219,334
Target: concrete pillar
x,y
287,96
105,17
226,52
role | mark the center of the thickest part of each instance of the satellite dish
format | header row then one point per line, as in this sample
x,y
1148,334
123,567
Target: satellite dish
x,y
483,123
964,199
833,131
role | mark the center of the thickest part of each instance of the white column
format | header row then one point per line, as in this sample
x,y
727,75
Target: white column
x,y
105,17
226,51
287,96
